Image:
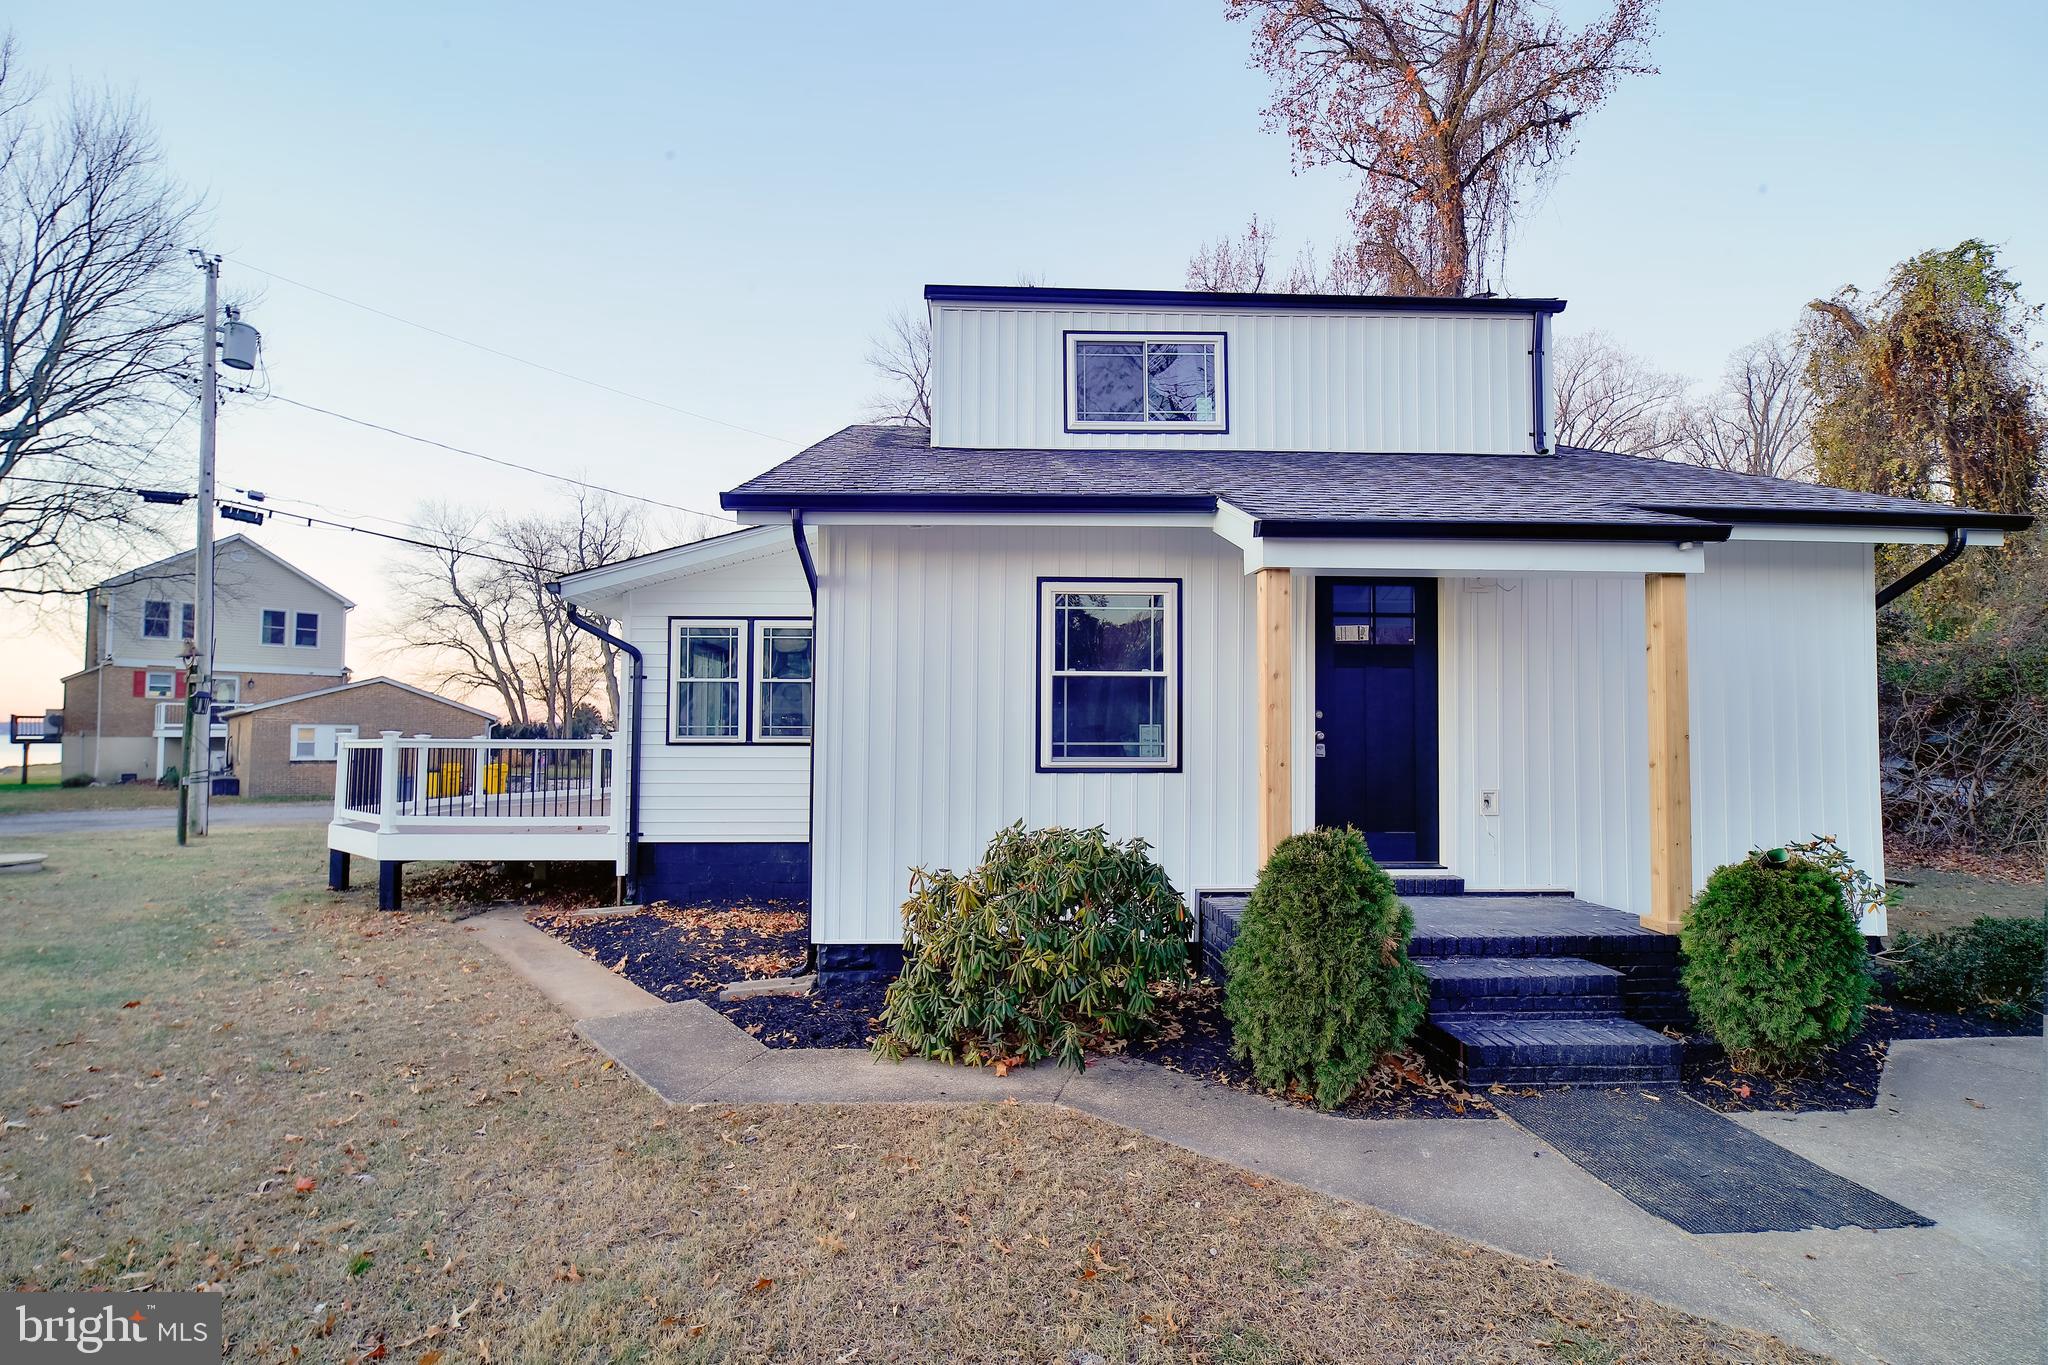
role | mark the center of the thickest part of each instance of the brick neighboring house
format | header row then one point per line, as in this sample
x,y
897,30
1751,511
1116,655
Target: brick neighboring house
x,y
277,631
287,747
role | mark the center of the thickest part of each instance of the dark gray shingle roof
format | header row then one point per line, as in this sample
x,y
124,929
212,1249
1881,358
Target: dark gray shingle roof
x,y
1290,492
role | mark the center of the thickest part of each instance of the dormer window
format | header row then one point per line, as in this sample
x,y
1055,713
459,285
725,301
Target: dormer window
x,y
1146,381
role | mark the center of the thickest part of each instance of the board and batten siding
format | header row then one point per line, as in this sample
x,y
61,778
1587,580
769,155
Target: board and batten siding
x,y
1784,701
717,793
928,679
1542,699
1297,381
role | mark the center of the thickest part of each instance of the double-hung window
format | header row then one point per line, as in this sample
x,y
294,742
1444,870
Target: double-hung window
x,y
319,743
782,670
185,621
1134,381
160,682
306,630
273,627
156,620
707,666
1109,674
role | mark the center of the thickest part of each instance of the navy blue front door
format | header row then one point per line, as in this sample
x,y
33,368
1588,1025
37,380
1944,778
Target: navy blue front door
x,y
1375,712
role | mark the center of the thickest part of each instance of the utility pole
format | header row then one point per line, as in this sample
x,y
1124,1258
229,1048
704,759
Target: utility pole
x,y
198,775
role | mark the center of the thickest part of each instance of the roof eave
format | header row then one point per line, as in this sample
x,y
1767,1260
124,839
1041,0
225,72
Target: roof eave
x,y
740,500
1295,528
1185,298
1943,517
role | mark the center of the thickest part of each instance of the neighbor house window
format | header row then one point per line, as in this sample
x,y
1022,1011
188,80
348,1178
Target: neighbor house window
x,y
273,627
319,743
306,630
160,682
782,668
707,665
185,629
226,691
1124,381
156,620
1109,674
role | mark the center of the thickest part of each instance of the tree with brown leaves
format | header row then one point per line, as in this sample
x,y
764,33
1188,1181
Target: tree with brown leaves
x,y
1928,389
1457,112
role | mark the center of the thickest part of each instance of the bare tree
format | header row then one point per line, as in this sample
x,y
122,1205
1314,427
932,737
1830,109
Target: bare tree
x,y
901,358
1244,265
1456,112
480,609
1608,398
1760,419
96,325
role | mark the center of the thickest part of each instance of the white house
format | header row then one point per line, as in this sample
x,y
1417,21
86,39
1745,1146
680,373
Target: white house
x,y
1212,568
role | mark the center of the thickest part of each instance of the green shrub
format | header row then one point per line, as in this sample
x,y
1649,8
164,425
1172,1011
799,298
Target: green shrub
x,y
1320,986
1774,961
1866,894
1052,943
77,780
1994,964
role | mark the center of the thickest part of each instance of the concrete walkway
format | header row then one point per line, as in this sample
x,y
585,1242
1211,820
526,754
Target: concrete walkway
x,y
1965,1290
163,817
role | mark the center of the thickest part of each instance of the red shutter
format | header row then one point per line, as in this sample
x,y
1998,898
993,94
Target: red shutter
x,y
178,684
141,682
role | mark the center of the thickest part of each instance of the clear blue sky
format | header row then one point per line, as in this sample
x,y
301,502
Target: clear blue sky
x,y
682,202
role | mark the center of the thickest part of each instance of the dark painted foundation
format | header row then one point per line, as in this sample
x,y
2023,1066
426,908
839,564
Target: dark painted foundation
x,y
724,874
390,885
860,961
337,870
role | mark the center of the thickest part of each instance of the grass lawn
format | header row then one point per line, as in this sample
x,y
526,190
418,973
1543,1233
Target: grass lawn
x,y
378,1143
16,799
1942,899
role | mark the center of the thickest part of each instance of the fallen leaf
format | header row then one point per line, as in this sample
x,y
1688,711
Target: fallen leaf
x,y
130,1004
305,1184
763,1283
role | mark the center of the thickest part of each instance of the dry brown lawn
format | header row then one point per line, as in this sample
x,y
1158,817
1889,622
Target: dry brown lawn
x,y
379,1144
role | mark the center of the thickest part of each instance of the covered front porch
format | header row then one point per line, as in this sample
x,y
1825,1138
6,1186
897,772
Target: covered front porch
x,y
400,800
1516,716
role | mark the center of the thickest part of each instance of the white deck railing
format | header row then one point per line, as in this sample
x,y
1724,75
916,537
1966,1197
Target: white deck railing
x,y
452,784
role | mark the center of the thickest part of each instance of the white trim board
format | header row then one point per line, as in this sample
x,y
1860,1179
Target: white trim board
x,y
1457,558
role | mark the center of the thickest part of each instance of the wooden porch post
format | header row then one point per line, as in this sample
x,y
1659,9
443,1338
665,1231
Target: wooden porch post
x,y
1276,708
1670,754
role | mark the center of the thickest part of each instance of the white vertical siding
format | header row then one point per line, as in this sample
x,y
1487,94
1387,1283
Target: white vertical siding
x,y
927,697
1542,699
717,793
1295,380
1784,701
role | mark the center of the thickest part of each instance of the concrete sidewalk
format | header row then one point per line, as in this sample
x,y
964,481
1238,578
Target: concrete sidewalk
x,y
1965,1290
163,817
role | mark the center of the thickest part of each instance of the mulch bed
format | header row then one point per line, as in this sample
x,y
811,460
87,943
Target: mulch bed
x,y
1849,1078
1194,1039
680,953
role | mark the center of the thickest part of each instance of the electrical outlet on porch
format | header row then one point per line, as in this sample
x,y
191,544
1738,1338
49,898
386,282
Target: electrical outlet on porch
x,y
1489,802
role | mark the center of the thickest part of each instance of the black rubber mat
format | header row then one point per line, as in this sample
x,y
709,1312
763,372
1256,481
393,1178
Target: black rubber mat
x,y
1690,1166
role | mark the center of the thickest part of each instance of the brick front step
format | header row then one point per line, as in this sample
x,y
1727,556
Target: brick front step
x,y
1488,1049
1560,986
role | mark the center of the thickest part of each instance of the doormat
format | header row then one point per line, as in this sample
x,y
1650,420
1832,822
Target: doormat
x,y
1678,1159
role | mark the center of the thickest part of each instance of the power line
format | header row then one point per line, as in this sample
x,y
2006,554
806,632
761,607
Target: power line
x,y
517,359
494,459
439,547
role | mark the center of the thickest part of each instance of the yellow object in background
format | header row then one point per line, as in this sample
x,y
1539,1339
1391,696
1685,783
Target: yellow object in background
x,y
494,777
